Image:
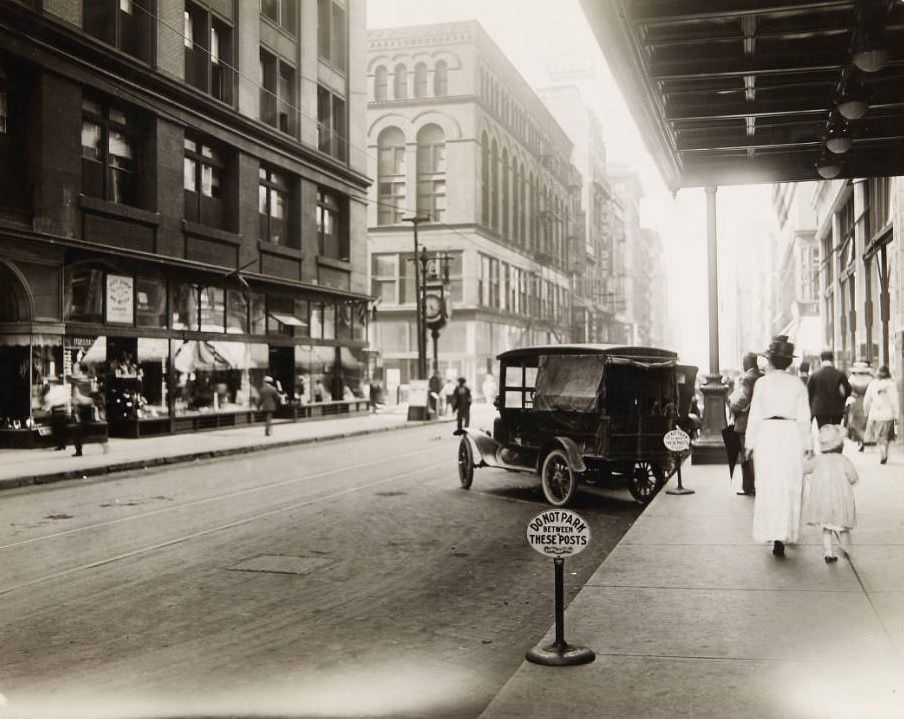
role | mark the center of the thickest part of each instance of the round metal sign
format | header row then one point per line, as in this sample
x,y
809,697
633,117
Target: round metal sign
x,y
558,533
677,440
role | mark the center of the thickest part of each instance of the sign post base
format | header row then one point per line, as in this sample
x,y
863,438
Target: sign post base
x,y
560,655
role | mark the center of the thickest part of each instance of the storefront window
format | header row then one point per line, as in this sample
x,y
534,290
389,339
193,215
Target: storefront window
x,y
351,369
302,313
359,328
236,312
150,305
153,363
213,309
185,307
217,376
329,322
344,322
46,374
85,295
258,313
316,375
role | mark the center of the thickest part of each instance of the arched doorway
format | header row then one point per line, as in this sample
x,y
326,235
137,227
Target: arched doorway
x,y
15,306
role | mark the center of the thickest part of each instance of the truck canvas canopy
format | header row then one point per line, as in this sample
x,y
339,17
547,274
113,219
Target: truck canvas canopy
x,y
569,382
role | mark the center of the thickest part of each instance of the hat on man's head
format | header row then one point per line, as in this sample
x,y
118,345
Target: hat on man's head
x,y
780,347
830,437
462,380
268,379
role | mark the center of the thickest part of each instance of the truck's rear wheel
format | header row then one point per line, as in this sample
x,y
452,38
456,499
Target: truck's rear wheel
x,y
560,481
465,463
645,481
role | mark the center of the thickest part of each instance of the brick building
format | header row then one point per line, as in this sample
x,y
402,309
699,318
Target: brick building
x,y
182,206
456,134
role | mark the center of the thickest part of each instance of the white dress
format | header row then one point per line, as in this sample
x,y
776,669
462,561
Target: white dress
x,y
778,432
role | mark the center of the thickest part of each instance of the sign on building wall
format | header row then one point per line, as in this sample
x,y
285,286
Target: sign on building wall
x,y
120,299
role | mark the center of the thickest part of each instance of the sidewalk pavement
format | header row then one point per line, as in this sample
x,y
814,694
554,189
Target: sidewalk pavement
x,y
690,618
22,467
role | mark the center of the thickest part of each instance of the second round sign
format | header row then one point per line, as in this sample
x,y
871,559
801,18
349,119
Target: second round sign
x,y
558,533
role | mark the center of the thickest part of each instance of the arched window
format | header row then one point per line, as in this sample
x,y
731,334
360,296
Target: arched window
x,y
400,82
494,186
391,172
420,80
516,200
505,195
484,180
381,83
441,79
522,230
431,173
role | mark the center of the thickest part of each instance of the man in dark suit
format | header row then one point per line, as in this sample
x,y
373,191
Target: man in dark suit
x,y
739,403
828,388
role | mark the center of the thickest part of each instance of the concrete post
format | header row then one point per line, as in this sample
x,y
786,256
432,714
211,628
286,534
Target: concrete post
x,y
709,447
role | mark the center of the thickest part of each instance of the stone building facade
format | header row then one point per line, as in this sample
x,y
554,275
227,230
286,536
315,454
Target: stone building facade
x,y
455,134
182,206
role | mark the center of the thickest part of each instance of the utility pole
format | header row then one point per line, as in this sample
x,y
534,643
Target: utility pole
x,y
419,299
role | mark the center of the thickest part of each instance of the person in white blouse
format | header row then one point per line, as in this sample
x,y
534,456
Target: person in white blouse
x,y
882,409
779,437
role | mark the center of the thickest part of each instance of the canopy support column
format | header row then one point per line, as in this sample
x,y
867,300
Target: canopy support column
x,y
709,448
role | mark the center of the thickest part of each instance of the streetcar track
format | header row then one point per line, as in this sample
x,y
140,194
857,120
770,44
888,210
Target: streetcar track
x,y
212,530
215,498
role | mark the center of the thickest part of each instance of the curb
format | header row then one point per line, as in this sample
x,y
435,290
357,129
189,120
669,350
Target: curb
x,y
132,465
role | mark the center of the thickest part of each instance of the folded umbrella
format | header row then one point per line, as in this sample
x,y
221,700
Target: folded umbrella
x,y
732,442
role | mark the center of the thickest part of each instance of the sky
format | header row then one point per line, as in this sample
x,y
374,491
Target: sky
x,y
540,36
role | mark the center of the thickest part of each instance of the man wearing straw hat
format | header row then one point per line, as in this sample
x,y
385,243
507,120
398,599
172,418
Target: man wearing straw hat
x,y
778,436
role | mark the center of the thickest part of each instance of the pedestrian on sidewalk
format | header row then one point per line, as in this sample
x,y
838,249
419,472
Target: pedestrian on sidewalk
x,y
828,388
859,377
269,402
461,401
84,410
830,498
56,403
778,436
448,393
881,406
739,403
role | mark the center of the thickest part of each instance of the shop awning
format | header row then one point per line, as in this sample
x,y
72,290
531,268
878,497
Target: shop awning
x,y
738,91
806,334
288,320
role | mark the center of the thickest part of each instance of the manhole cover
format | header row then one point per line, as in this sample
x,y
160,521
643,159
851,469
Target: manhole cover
x,y
280,564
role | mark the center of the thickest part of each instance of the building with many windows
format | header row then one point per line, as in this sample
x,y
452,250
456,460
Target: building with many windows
x,y
859,291
795,289
182,206
457,136
597,296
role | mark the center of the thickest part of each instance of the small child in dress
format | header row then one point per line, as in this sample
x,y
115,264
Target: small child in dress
x,y
830,501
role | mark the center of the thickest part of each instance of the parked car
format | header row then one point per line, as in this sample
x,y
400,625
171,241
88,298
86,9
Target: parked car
x,y
584,413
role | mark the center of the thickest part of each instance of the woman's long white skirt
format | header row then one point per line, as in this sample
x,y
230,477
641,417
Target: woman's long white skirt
x,y
778,462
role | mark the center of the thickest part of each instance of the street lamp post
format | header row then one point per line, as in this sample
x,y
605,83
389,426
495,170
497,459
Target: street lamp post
x,y
415,220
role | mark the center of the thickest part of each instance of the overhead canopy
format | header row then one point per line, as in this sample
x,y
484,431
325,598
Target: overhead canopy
x,y
736,91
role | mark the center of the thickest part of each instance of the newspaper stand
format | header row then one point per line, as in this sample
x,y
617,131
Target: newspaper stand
x,y
678,442
559,533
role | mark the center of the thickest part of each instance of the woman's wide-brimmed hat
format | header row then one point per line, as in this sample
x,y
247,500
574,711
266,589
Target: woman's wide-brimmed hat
x,y
830,437
780,347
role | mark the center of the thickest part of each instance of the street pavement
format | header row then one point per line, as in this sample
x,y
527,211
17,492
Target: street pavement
x,y
690,618
349,577
20,467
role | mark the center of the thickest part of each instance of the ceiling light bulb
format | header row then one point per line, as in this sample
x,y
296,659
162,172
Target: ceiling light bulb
x,y
870,59
838,139
852,108
828,170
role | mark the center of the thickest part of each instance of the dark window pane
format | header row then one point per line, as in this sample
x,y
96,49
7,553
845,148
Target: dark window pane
x,y
236,312
150,302
85,295
185,307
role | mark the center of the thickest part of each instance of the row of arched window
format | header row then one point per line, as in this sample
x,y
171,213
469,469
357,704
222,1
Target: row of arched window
x,y
407,85
392,174
519,204
498,100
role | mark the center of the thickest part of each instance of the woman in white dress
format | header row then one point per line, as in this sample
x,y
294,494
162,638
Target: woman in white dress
x,y
778,436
